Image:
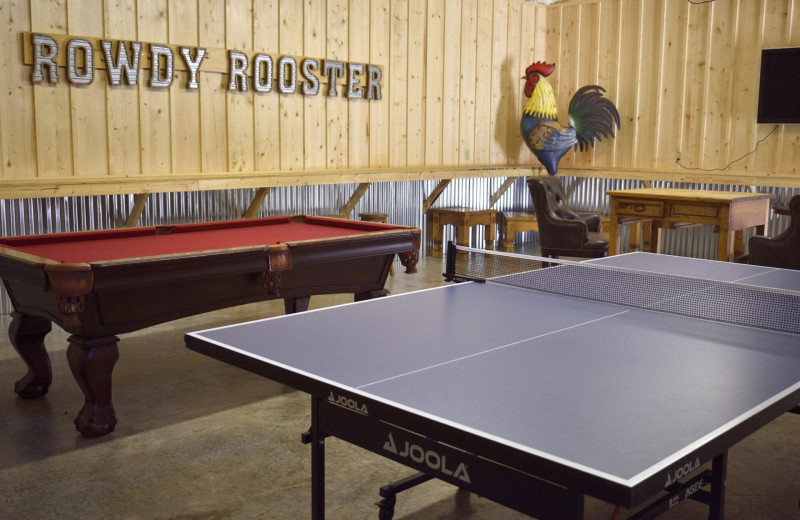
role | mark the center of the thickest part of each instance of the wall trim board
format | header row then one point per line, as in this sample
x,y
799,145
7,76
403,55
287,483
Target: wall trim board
x,y
81,186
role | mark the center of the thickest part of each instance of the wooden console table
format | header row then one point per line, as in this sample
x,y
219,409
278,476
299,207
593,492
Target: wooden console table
x,y
729,212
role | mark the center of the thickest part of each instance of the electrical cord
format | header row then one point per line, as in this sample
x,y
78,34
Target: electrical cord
x,y
678,161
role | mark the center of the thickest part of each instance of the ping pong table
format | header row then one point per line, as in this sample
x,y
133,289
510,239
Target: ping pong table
x,y
535,399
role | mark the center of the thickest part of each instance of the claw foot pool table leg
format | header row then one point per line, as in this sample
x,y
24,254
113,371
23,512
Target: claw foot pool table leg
x,y
92,362
27,336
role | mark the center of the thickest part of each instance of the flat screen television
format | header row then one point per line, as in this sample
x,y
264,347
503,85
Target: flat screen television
x,y
778,92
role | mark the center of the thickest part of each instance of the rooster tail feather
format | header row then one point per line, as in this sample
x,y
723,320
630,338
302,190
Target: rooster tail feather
x,y
592,115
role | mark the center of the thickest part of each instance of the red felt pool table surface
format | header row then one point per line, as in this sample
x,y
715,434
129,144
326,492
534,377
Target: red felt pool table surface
x,y
98,284
97,246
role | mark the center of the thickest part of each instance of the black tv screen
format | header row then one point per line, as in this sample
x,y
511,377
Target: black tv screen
x,y
778,93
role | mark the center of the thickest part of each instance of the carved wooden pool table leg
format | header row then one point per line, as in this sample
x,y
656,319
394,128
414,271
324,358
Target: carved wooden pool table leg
x,y
27,336
92,362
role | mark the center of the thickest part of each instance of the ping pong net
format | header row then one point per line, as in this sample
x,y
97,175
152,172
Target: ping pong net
x,y
727,302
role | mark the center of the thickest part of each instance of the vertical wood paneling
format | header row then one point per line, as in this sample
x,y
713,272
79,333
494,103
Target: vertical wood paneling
x,y
790,159
434,83
589,63
466,96
607,62
647,95
483,83
499,73
314,116
358,115
87,111
17,134
451,81
627,75
122,102
417,46
514,66
155,132
565,77
239,36
718,99
670,99
587,45
53,136
213,100
744,99
379,124
338,49
397,95
184,108
266,125
694,86
532,48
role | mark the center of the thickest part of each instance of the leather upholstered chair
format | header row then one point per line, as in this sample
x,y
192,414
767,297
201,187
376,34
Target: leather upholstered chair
x,y
782,250
562,232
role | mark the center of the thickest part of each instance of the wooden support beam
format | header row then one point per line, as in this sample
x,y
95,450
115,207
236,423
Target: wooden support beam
x,y
437,191
255,203
501,190
139,201
359,192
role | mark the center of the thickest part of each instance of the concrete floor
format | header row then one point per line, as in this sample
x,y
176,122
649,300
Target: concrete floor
x,y
198,439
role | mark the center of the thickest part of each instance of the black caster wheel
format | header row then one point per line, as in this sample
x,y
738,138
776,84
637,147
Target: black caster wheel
x,y
386,508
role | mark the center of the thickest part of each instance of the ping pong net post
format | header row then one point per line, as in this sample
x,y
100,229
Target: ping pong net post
x,y
726,302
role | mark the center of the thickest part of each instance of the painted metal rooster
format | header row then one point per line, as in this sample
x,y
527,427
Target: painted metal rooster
x,y
591,116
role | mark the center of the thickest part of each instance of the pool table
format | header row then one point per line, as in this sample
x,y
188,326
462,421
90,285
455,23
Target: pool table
x,y
101,283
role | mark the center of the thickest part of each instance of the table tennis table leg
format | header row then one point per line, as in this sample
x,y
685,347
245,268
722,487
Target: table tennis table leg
x,y
317,441
719,475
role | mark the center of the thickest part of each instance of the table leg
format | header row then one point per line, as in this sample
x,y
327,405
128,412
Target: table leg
x,y
296,304
725,234
738,244
27,336
462,234
726,241
92,360
317,440
719,475
507,237
634,236
489,236
651,237
438,234
613,232
409,260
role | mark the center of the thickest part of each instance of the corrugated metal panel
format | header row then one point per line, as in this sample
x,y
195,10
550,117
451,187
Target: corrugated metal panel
x,y
402,201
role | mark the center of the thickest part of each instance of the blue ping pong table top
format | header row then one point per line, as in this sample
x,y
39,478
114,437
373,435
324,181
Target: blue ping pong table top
x,y
617,393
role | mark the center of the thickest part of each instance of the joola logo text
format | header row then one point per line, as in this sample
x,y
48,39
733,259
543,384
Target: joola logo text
x,y
347,402
682,471
430,458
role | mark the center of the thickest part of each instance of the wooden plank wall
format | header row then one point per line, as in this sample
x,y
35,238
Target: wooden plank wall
x,y
685,78
451,91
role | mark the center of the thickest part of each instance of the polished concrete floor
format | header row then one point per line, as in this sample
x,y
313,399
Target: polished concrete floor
x,y
198,439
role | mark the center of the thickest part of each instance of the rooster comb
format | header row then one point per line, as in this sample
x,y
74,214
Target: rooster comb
x,y
545,69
